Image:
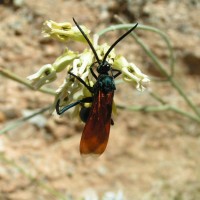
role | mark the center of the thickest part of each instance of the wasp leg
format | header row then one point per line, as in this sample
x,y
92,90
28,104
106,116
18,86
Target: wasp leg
x,y
82,81
92,72
117,74
59,112
112,122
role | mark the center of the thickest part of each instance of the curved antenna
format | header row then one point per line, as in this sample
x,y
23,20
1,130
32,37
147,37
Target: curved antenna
x,y
118,40
90,44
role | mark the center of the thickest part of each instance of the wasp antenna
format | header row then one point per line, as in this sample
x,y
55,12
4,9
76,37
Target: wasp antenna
x,y
90,44
117,41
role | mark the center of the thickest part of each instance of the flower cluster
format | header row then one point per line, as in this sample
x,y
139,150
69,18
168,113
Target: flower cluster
x,y
79,64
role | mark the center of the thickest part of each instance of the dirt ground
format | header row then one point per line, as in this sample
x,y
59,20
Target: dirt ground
x,y
150,156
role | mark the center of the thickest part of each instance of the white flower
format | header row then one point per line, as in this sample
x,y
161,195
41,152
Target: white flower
x,y
131,73
64,60
79,64
63,31
72,90
45,75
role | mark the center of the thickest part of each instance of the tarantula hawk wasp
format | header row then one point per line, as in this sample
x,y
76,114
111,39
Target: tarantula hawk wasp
x,y
98,117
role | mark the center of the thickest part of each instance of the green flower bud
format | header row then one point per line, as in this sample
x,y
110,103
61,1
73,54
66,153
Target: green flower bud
x,y
64,60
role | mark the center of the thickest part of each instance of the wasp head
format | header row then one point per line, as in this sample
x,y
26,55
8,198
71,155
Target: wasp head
x,y
104,67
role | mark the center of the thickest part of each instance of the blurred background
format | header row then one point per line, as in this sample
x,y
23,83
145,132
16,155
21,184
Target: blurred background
x,y
150,155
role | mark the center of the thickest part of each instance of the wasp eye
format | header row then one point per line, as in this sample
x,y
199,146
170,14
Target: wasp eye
x,y
108,66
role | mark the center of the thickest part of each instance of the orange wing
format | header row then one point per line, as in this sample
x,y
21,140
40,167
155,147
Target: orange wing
x,y
96,131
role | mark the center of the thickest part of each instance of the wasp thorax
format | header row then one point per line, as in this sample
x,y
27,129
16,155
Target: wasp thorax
x,y
105,83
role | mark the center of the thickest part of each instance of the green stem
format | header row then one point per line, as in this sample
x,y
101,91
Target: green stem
x,y
159,109
155,59
18,79
19,122
151,55
169,77
148,28
156,97
180,91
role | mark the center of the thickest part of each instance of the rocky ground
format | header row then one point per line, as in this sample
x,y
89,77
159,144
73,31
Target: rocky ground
x,y
150,155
